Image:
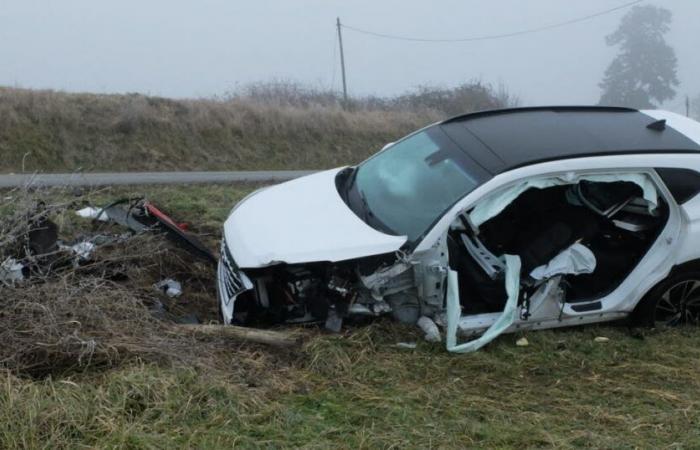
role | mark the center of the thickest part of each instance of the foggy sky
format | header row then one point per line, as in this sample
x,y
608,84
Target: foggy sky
x,y
199,48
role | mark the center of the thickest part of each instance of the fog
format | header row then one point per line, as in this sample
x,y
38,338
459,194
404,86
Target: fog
x,y
210,47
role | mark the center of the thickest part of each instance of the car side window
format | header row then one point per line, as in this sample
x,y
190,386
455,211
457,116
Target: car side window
x,y
683,184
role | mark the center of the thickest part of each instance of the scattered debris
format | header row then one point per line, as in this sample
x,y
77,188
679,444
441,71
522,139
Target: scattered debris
x,y
431,330
601,339
406,345
76,297
140,215
90,212
11,272
169,287
82,249
522,342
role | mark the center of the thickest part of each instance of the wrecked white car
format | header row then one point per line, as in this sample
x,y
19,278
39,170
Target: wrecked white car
x,y
482,224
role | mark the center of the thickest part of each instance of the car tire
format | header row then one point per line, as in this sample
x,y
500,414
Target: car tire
x,y
673,302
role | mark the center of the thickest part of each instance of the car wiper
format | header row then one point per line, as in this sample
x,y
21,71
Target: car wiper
x,y
366,212
351,179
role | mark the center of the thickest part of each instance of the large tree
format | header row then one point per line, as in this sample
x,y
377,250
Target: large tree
x,y
644,71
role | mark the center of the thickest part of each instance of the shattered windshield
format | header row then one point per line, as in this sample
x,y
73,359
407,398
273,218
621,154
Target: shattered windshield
x,y
408,186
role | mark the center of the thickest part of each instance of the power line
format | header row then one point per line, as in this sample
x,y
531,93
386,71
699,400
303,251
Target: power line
x,y
497,36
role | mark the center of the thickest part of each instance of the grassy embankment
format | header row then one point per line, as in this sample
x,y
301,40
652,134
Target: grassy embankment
x,y
266,126
359,391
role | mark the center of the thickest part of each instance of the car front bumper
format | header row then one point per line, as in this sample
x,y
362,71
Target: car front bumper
x,y
230,283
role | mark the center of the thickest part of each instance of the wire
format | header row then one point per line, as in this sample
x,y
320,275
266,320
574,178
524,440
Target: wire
x,y
497,36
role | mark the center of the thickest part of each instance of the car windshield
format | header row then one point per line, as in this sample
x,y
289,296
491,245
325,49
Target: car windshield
x,y
408,186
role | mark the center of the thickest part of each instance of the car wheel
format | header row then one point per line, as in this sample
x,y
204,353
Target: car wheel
x,y
673,302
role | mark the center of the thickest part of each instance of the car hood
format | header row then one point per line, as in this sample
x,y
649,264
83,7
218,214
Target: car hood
x,y
300,221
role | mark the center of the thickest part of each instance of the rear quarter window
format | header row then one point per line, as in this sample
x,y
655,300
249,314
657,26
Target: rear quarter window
x,y
683,184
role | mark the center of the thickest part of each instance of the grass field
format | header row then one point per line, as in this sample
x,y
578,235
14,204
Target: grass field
x,y
358,390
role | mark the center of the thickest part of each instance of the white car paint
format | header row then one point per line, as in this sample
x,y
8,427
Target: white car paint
x,y
685,125
300,221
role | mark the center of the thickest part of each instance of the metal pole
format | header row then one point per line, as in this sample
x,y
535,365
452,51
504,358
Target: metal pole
x,y
342,61
687,106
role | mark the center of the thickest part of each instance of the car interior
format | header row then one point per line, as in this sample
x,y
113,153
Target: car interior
x,y
612,219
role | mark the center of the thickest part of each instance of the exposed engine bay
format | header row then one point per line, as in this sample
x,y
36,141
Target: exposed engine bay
x,y
575,240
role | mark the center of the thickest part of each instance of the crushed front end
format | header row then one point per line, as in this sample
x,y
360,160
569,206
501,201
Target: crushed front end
x,y
329,293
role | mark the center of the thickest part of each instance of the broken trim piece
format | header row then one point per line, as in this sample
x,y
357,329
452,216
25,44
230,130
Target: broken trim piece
x,y
504,321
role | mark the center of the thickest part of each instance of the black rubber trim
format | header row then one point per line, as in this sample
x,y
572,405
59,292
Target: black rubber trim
x,y
495,112
595,306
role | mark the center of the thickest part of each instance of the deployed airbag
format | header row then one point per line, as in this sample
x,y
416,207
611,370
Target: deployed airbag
x,y
495,204
575,260
504,321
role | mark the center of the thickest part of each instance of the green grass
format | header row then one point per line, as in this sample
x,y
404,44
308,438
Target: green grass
x,y
357,390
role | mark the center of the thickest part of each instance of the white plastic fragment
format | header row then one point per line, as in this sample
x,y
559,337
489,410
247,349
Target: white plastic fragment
x,y
432,333
11,271
575,260
601,339
83,249
406,345
171,287
504,321
522,342
91,212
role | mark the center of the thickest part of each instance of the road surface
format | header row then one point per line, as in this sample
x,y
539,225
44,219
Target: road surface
x,y
127,178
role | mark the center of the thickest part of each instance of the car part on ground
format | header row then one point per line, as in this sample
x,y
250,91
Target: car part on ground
x,y
138,214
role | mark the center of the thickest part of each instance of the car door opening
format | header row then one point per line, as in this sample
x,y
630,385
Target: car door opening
x,y
581,236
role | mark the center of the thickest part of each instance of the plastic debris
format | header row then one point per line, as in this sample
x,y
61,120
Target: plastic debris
x,y
11,271
406,345
91,212
601,339
170,287
432,333
522,342
83,249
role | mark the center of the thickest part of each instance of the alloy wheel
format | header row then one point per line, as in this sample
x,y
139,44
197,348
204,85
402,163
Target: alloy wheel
x,y
679,305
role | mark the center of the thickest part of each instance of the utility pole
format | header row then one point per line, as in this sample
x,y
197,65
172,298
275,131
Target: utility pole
x,y
687,106
342,61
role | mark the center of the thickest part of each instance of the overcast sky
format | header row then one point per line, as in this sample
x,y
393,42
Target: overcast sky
x,y
209,47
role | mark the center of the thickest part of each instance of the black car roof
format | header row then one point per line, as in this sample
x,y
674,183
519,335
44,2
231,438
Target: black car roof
x,y
505,139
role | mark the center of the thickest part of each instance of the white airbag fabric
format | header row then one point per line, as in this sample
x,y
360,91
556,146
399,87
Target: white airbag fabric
x,y
575,260
504,321
495,204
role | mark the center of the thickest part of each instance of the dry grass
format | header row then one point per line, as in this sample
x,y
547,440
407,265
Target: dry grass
x,y
355,390
100,313
267,126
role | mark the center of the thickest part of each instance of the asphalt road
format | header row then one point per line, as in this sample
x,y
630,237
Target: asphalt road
x,y
130,178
